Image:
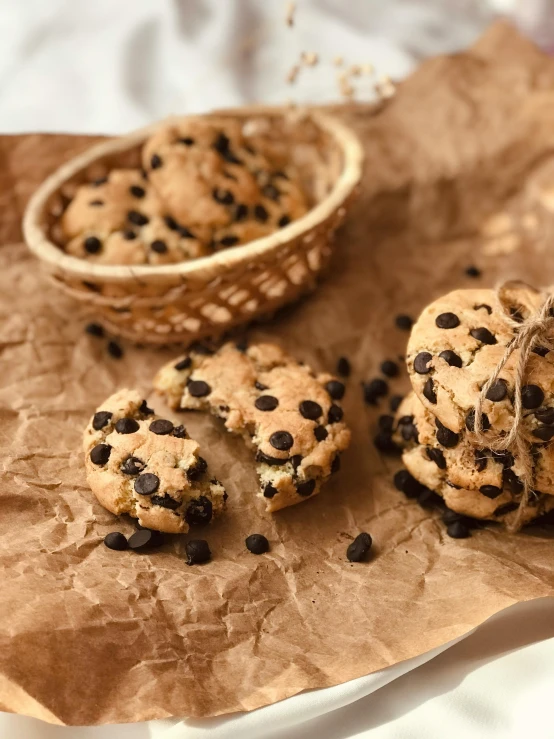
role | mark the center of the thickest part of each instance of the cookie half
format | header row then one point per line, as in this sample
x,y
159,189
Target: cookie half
x,y
290,415
144,465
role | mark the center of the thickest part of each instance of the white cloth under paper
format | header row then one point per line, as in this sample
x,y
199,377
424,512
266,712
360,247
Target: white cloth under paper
x,y
111,65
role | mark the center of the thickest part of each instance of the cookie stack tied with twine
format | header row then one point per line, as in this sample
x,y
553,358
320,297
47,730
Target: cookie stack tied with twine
x,y
479,426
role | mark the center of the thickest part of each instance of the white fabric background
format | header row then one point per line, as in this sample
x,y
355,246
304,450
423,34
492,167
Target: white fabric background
x,y
106,66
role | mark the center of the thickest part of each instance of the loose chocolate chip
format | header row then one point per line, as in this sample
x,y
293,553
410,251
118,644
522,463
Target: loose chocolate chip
x,y
458,530
429,391
240,212
451,358
92,245
165,501
305,489
257,544
542,351
225,197
436,456
115,540
180,432
260,213
531,396
407,484
100,454
139,219
428,499
198,552
161,426
335,388
199,511
545,415
129,235
147,483
421,363
266,403
358,550
283,221
229,240
127,426
320,433
270,491
383,443
186,140
144,409
101,419
544,433
281,440
99,181
94,329
132,466
404,322
470,421
159,246
386,423
194,473
483,335
513,482
389,368
473,271
145,539
155,161
481,459
343,367
271,192
483,305
271,461
491,491
374,389
259,386
183,364
335,414
114,350
310,409
138,192
447,320
335,464
171,223
198,388
394,403
498,391
445,436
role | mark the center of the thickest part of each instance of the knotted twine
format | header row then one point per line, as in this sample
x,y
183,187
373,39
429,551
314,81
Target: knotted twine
x,y
528,333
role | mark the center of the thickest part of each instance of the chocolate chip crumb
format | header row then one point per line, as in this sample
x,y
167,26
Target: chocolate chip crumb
x,y
359,548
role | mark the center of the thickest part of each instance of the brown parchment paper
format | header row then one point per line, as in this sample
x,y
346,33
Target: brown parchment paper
x,y
90,636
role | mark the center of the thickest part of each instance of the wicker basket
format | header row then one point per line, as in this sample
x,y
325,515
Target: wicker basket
x,y
205,297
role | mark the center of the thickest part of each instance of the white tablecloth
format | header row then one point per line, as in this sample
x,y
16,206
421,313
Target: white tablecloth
x,y
111,65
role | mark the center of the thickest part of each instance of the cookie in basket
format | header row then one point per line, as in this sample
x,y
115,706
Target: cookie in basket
x,y
290,415
143,465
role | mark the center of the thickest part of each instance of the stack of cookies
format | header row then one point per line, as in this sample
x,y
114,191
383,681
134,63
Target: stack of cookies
x,y
454,349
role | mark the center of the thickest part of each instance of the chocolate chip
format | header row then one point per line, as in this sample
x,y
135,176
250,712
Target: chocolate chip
x,y
447,320
336,389
260,213
155,161
421,363
335,464
404,322
394,403
100,454
94,329
132,466
159,246
165,501
458,530
201,348
531,396
542,351
436,456
513,482
266,403
271,461
383,442
139,219
283,221
445,436
450,516
147,483
114,350
358,550
503,457
92,245
221,144
101,419
144,409
129,235
389,368
470,421
506,508
281,440
271,192
429,391
407,484
224,197
161,426
127,426
259,386
115,540
473,271
199,511
483,335
186,140
428,499
305,489
321,433
198,552
96,203
545,415
335,414
171,223
99,181
408,429
481,459
498,391
257,544
374,389
183,364
194,473
270,491
229,240
180,432
491,491
185,233
198,388
386,423
310,409
138,192
296,461
145,539
483,305
544,433
516,314
451,358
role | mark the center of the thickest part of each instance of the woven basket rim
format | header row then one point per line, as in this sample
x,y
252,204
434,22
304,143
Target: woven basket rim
x,y
202,267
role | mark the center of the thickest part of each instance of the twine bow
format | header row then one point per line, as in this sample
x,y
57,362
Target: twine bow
x,y
528,333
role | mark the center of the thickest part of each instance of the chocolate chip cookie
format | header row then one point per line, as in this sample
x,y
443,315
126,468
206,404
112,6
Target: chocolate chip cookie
x,y
290,415
144,465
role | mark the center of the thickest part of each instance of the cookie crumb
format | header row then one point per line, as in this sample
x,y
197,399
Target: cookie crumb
x,y
309,58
